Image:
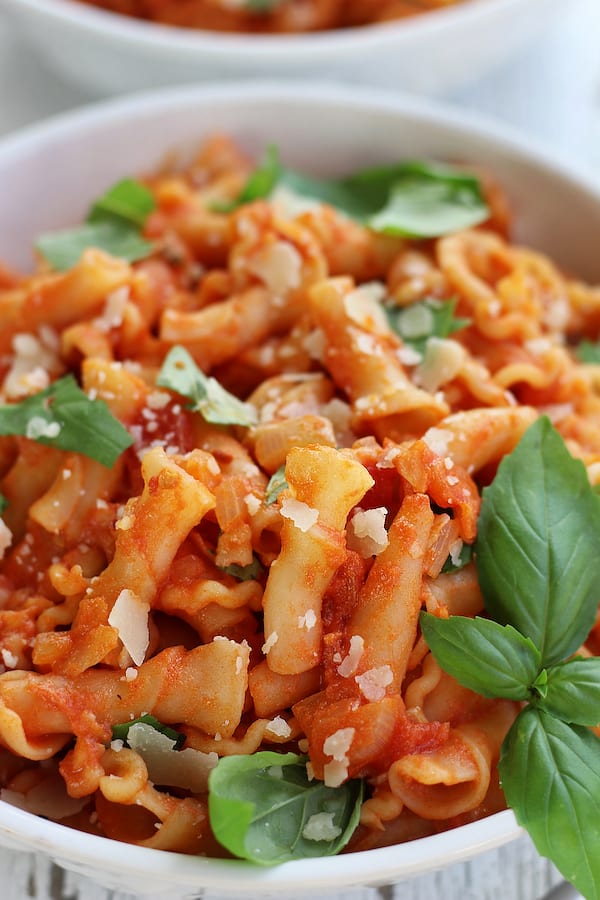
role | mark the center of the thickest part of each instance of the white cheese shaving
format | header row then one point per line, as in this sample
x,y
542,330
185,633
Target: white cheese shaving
x,y
366,531
338,743
437,439
129,616
270,642
5,538
350,662
320,827
278,265
308,621
363,306
114,307
301,514
187,768
373,682
443,360
38,427
278,727
9,659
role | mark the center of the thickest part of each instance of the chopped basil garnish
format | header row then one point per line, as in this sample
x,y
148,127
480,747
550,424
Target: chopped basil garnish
x,y
3,503
464,558
180,373
120,731
113,224
414,198
539,570
244,573
589,352
63,416
276,485
263,806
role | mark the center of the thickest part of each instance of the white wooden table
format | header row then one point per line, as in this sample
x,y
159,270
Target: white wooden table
x,y
552,92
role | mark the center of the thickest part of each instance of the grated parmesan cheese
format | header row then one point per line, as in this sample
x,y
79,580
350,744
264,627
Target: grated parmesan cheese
x,y
437,440
349,664
9,659
320,827
188,768
278,265
270,642
279,727
129,616
443,360
301,514
373,682
38,427
307,621
6,537
366,531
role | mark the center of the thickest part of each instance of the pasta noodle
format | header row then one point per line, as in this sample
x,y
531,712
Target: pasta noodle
x,y
257,583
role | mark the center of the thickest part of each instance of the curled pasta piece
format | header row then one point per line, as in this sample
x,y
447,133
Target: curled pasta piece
x,y
324,485
447,781
362,355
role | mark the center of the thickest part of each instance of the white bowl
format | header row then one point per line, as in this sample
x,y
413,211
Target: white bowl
x,y
49,175
430,53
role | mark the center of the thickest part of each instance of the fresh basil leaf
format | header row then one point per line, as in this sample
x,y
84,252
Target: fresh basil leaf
x,y
464,558
537,542
550,774
128,200
180,373
63,416
261,804
572,691
413,198
425,319
113,225
120,731
63,249
244,573
263,180
277,484
3,503
491,659
588,352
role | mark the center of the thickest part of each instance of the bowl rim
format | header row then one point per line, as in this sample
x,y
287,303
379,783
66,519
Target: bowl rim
x,y
68,846
157,37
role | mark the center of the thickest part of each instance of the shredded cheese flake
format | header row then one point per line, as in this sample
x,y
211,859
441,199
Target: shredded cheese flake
x,y
301,514
129,616
350,662
366,532
373,682
188,768
320,827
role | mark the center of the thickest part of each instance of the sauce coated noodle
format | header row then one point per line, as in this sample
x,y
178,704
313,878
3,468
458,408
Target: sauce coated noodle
x,y
116,594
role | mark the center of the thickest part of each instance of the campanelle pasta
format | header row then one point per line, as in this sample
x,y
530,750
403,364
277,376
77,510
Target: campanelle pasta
x,y
179,583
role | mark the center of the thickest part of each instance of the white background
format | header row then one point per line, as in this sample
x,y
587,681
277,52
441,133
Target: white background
x,y
552,92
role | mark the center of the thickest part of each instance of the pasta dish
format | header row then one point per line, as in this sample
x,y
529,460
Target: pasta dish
x,y
242,448
271,16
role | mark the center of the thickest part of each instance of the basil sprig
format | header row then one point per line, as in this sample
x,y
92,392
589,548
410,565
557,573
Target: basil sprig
x,y
180,373
260,806
277,484
64,416
120,731
539,571
113,224
414,198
